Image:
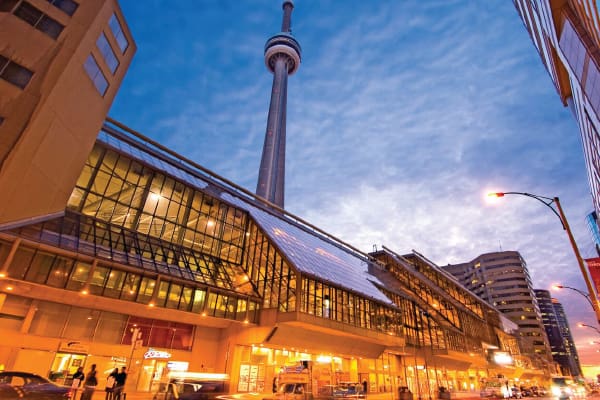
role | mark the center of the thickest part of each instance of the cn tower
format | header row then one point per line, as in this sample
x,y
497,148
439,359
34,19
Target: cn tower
x,y
282,58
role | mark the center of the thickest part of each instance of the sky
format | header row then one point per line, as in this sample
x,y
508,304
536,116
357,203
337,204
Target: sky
x,y
401,117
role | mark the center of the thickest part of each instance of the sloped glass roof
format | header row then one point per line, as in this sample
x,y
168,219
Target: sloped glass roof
x,y
310,251
313,254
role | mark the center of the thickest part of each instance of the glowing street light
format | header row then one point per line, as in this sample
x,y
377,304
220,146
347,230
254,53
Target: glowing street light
x,y
582,325
558,211
581,292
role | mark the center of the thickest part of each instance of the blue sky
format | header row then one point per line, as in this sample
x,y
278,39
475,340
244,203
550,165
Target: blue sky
x,y
401,116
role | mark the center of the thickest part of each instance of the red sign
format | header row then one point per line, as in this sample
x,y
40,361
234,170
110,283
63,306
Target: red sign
x,y
593,265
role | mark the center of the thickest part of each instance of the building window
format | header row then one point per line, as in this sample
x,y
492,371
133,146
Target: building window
x,y
38,20
67,6
117,31
8,5
107,53
14,73
93,71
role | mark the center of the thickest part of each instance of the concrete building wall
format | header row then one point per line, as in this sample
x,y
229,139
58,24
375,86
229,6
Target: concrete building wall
x,y
49,126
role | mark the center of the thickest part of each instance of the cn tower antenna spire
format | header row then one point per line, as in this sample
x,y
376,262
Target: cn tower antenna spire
x,y
282,58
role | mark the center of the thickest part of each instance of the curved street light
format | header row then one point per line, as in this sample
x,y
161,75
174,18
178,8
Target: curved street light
x,y
558,211
581,292
582,325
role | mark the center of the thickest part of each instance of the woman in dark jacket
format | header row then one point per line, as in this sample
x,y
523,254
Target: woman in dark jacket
x,y
90,383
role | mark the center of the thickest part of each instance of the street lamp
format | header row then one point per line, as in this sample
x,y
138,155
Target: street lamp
x,y
582,325
558,211
581,292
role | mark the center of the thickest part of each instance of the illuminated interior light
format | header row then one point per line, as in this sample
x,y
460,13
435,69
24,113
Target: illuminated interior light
x,y
155,196
84,292
151,304
323,359
9,288
2,275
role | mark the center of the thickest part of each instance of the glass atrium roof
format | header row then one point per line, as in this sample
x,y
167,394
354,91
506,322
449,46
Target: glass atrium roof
x,y
310,251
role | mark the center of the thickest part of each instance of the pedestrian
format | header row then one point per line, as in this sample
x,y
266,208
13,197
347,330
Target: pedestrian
x,y
78,377
120,384
89,384
111,381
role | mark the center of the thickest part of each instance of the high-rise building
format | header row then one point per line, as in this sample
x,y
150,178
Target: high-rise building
x,y
61,64
592,222
555,339
565,329
150,261
567,36
502,279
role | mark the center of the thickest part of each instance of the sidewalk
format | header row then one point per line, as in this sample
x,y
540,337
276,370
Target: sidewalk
x,y
101,395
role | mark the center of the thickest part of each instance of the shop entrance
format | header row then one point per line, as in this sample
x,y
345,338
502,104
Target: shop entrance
x,y
64,366
153,372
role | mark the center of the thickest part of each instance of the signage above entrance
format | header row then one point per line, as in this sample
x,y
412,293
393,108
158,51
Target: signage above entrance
x,y
151,353
73,347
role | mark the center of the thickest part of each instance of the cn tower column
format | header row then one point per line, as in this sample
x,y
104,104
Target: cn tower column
x,y
271,169
282,58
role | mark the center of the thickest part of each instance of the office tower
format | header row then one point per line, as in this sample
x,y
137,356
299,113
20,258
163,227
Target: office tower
x,y
557,329
502,279
282,57
592,223
566,34
61,64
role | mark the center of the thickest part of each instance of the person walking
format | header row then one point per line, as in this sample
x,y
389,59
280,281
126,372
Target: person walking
x,y
111,381
78,378
120,385
90,383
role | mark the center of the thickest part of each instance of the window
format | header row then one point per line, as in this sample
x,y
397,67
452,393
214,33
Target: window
x,y
117,31
7,5
93,71
67,6
38,20
107,53
14,73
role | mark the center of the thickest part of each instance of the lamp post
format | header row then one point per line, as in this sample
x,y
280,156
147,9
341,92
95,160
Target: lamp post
x,y
581,292
558,211
582,325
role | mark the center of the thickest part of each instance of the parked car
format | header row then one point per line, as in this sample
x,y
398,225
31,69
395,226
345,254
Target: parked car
x,y
8,392
525,391
349,390
515,393
190,390
291,391
30,386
